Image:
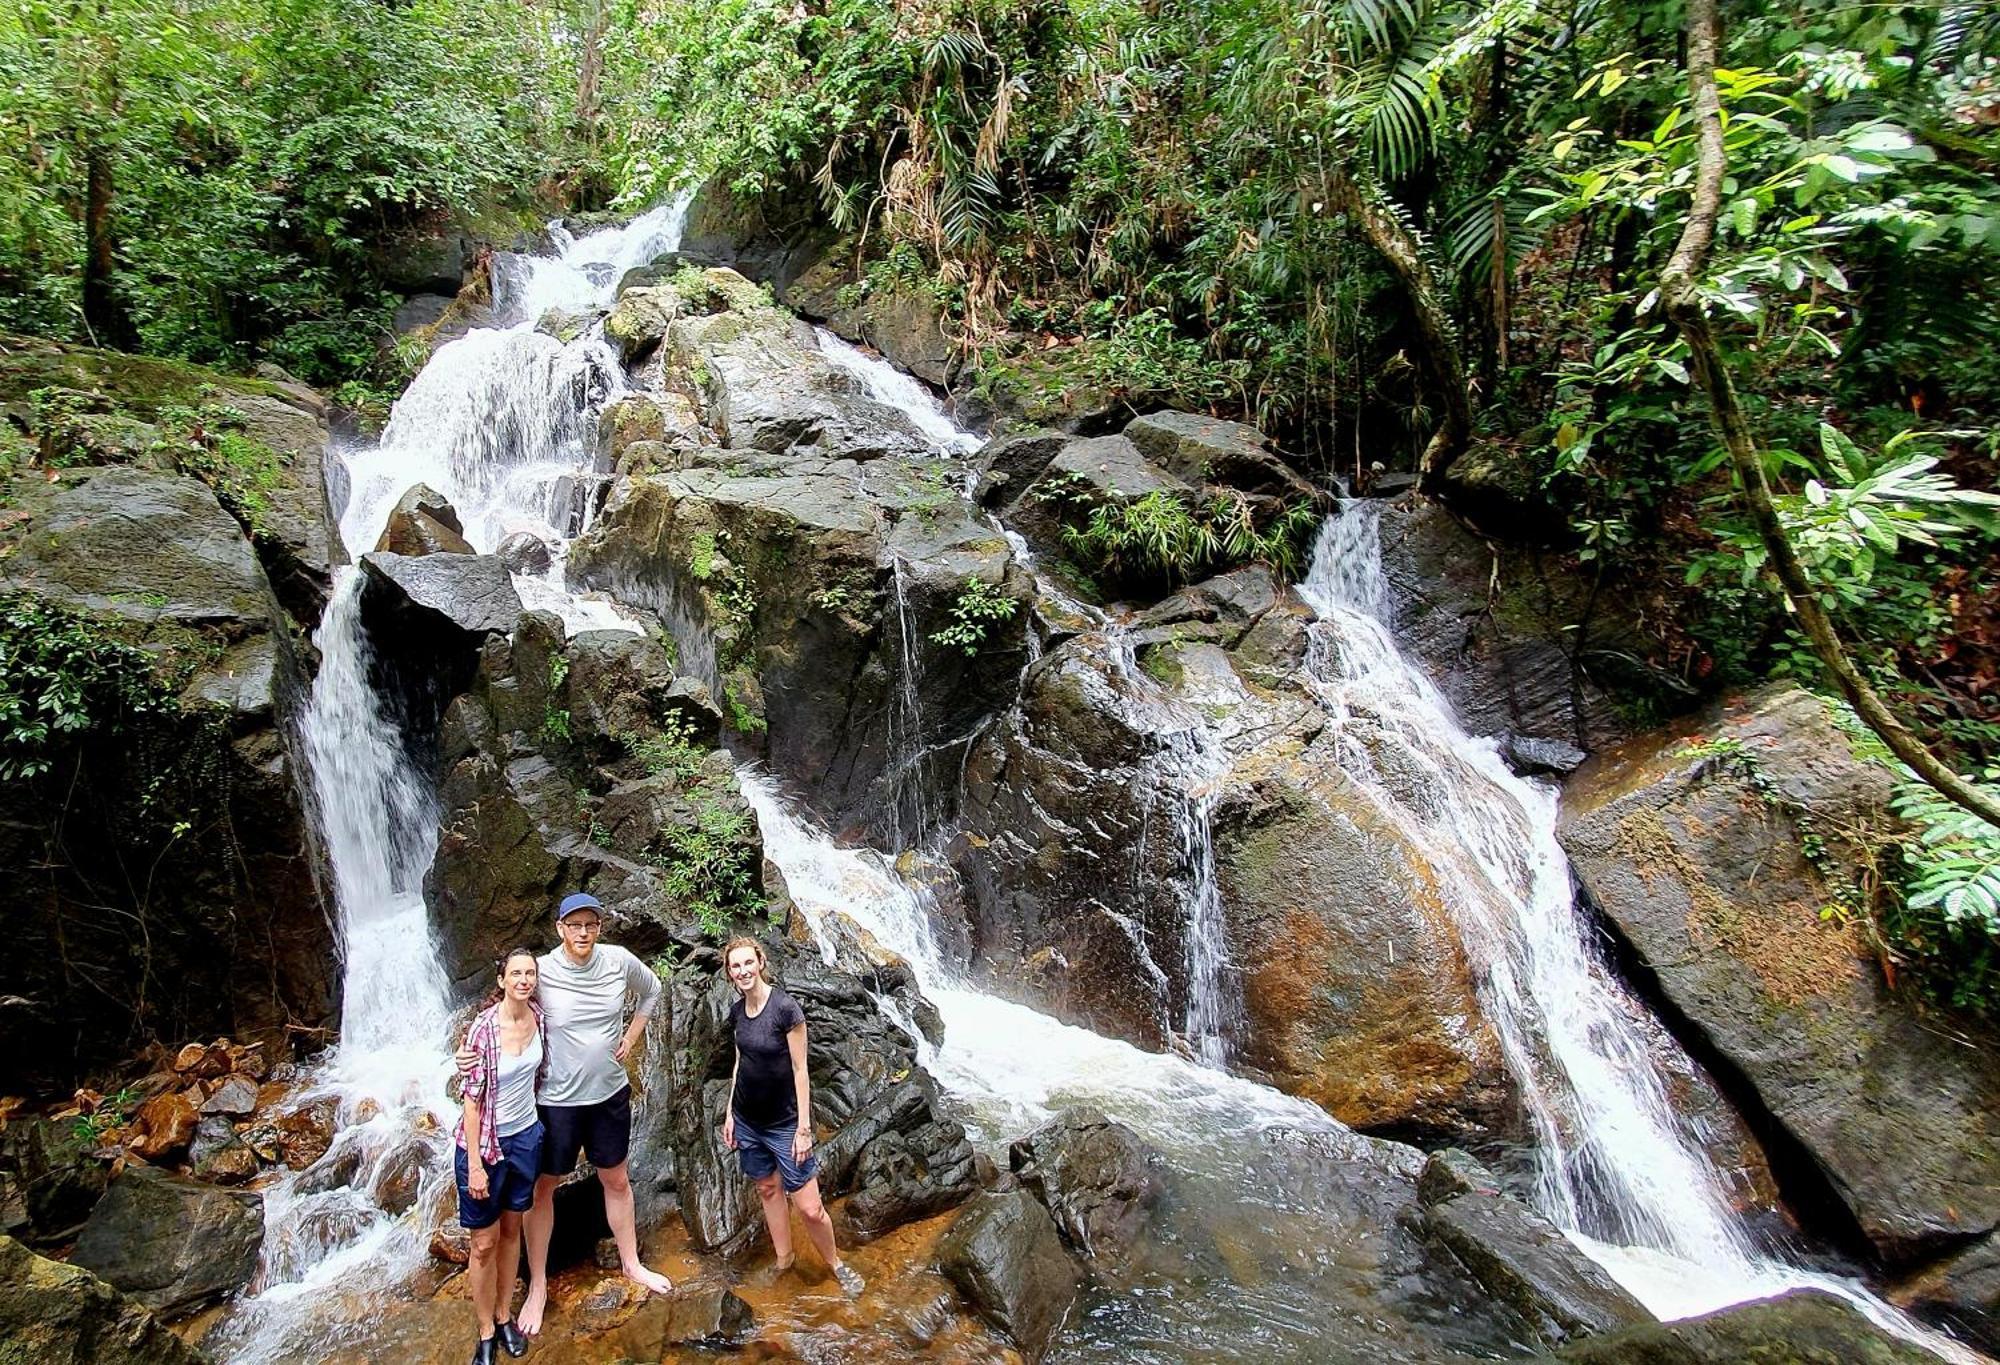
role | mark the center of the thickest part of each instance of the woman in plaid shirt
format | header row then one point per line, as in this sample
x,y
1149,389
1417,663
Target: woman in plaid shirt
x,y
496,1173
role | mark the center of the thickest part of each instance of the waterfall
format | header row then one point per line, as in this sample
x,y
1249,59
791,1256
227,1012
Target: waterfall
x,y
1615,1168
889,385
503,422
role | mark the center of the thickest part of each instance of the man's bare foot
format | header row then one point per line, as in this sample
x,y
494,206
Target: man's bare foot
x,y
529,1319
649,1279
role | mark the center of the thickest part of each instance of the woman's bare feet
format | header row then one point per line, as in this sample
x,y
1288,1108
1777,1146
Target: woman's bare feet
x,y
648,1279
529,1319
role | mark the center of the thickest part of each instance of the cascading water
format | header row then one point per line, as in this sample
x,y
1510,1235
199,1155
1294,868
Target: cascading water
x,y
503,422
1616,1170
890,386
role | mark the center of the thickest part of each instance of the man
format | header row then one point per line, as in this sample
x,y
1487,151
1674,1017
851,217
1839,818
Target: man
x,y
586,1102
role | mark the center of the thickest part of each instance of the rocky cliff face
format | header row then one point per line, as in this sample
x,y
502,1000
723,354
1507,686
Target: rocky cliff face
x,y
169,879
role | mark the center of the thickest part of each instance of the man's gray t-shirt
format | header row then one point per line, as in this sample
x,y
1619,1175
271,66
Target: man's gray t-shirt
x,y
584,1008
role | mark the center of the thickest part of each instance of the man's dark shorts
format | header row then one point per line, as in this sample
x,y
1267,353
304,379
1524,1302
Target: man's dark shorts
x,y
603,1130
761,1151
510,1186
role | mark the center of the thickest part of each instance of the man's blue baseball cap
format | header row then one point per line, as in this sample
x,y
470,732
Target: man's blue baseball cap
x,y
582,900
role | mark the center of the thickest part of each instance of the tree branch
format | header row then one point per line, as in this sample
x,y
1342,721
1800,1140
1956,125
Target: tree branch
x,y
1441,365
1679,294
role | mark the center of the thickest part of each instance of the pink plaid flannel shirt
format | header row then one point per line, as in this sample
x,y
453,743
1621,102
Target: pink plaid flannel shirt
x,y
478,1080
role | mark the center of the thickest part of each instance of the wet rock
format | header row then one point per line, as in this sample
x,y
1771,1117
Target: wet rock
x,y
399,1175
1095,1177
693,1315
1207,450
423,522
1961,1291
1085,472
524,552
1005,1256
1879,1126
466,592
902,321
640,320
419,310
235,1096
1067,902
1532,757
805,594
1009,465
172,1244
56,1314
1515,639
306,1133
1356,990
1801,1328
58,1178
164,1126
1517,1256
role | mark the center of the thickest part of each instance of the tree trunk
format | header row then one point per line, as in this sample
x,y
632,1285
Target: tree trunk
x,y
103,312
1439,360
1678,285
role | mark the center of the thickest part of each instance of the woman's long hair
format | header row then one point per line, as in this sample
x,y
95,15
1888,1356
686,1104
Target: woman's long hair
x,y
499,992
745,941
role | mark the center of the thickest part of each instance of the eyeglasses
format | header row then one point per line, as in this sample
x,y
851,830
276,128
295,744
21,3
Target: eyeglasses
x,y
583,926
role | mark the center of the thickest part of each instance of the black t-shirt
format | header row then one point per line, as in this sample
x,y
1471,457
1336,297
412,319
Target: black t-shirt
x,y
765,1097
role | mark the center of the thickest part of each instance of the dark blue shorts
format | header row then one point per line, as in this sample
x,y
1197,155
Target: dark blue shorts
x,y
510,1186
603,1131
761,1151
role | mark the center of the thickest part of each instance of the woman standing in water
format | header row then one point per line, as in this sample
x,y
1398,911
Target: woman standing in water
x,y
770,1108
499,1142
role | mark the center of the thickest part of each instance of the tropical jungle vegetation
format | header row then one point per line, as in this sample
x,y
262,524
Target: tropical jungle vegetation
x,y
1705,301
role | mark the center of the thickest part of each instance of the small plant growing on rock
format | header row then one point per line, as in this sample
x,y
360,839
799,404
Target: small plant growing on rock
x,y
708,865
671,753
555,719
980,604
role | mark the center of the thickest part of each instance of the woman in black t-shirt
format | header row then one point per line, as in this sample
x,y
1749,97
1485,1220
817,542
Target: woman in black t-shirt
x,y
769,1121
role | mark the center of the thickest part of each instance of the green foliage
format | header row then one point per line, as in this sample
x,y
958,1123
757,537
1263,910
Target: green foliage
x,y
979,605
555,719
671,753
63,676
1166,534
244,155
708,864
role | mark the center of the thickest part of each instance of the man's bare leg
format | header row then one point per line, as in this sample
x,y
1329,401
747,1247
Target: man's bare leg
x,y
618,1212
539,1225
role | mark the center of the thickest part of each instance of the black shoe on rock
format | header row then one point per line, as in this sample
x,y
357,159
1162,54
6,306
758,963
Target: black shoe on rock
x,y
482,1354
511,1340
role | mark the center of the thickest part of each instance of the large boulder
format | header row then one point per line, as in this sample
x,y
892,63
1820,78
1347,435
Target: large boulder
x,y
1005,1256
283,423
809,596
1708,848
172,1244
899,317
1096,1178
760,381
1197,448
173,882
470,593
1357,992
1518,1256
56,1314
423,522
1800,1328
1515,638
583,764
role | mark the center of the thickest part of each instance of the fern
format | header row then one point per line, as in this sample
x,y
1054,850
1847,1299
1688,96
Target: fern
x,y
1955,863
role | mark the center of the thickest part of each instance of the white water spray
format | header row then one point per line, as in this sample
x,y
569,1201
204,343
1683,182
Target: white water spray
x,y
1615,1169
